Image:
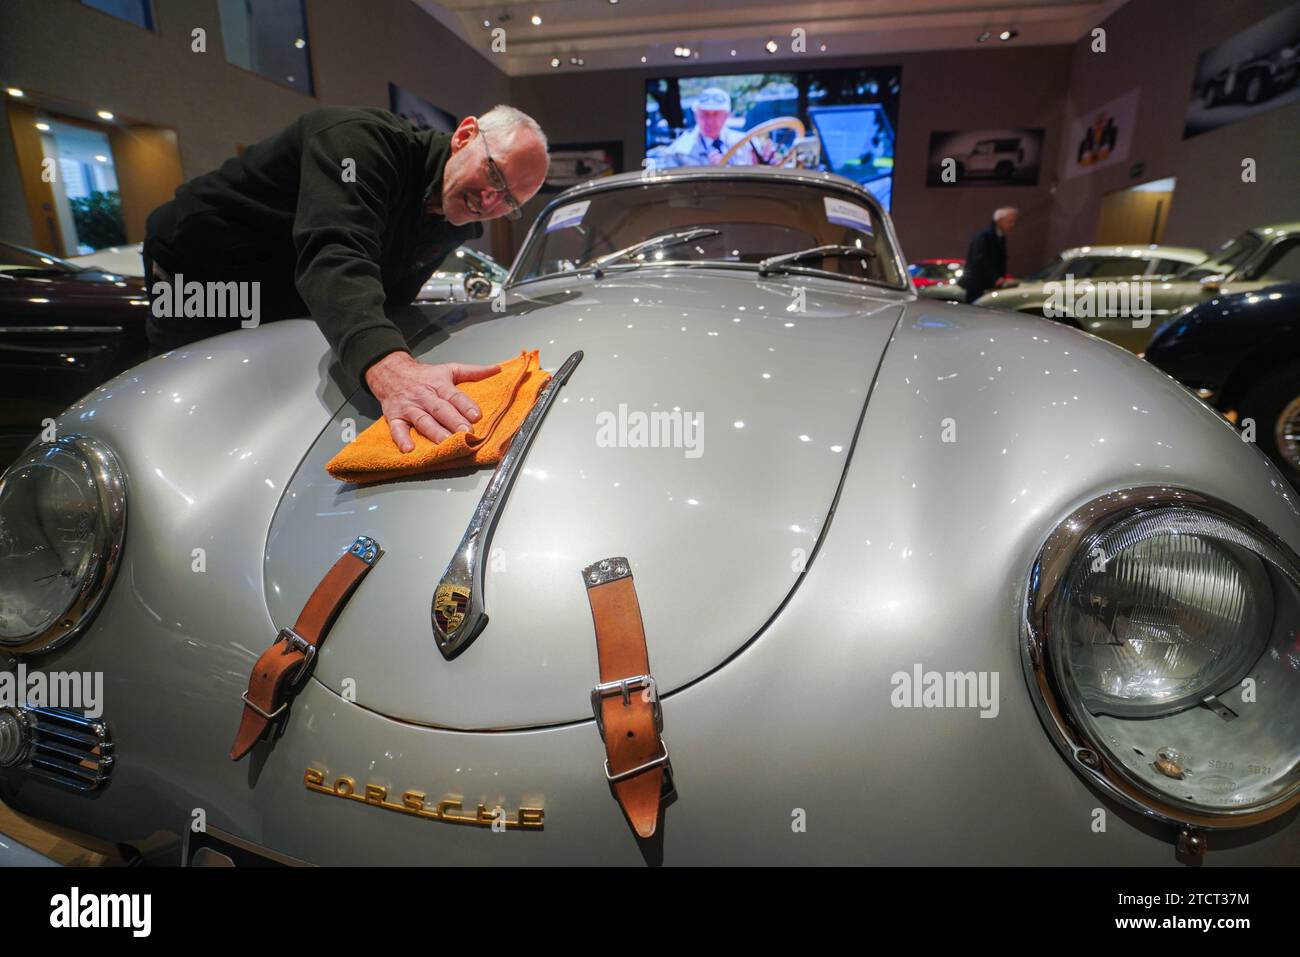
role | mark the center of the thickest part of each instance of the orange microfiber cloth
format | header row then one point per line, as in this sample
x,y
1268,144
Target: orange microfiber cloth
x,y
503,399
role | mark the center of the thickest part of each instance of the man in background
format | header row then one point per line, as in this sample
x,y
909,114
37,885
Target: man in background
x,y
986,257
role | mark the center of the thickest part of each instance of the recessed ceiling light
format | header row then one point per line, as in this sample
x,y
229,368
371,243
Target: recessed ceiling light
x,y
822,48
104,115
555,61
770,46
14,91
487,23
43,127
643,59
1008,34
733,52
537,21
300,43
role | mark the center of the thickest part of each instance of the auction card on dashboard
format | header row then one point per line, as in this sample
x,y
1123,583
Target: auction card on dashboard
x,y
848,214
566,216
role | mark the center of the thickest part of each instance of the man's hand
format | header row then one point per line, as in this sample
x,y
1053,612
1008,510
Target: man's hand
x,y
417,395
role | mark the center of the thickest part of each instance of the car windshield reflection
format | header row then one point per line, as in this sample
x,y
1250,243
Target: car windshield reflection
x,y
731,223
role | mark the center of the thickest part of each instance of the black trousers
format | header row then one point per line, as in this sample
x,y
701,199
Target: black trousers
x,y
278,300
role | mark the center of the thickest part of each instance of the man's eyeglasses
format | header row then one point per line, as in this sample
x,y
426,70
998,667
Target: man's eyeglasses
x,y
499,182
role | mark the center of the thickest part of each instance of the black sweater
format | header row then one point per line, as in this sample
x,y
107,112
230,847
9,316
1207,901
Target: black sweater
x,y
324,236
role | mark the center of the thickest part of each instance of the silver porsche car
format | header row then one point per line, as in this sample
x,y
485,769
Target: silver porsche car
x,y
890,580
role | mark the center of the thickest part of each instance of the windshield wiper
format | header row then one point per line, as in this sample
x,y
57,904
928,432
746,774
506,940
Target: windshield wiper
x,y
817,252
656,242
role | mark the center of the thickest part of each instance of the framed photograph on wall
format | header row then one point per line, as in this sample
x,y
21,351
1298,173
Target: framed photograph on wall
x,y
1250,72
1101,137
419,111
573,163
1005,157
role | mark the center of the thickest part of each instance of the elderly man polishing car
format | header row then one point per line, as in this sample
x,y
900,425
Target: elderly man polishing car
x,y
341,213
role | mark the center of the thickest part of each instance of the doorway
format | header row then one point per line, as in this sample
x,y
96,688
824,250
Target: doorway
x,y
90,184
86,197
1135,216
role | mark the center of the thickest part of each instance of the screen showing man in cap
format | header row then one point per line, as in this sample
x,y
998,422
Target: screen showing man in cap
x,y
705,144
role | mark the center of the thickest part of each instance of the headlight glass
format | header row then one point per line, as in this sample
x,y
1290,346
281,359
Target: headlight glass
x,y
1165,608
62,523
1162,642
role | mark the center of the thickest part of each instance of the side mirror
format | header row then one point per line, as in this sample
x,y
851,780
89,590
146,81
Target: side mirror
x,y
477,287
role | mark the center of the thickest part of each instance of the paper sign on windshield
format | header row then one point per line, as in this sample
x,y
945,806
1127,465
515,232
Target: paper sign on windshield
x,y
848,214
566,216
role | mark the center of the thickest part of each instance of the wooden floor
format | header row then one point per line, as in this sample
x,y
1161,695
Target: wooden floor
x,y
52,846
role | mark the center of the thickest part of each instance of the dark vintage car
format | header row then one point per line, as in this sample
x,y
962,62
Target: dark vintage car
x,y
63,331
1241,354
1253,79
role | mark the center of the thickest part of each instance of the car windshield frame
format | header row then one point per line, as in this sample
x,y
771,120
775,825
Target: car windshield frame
x,y
1217,264
880,219
486,264
45,262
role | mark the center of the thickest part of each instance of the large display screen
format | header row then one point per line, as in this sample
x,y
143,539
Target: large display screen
x,y
841,121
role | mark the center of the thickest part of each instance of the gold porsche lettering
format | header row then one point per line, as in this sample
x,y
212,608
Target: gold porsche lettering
x,y
449,605
414,803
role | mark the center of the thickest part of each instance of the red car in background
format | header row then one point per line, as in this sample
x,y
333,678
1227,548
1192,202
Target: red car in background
x,y
937,278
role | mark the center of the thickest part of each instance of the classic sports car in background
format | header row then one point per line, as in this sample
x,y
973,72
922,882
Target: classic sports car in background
x,y
122,260
1241,354
1258,258
906,569
937,278
465,275
1254,79
453,281
63,331
1087,265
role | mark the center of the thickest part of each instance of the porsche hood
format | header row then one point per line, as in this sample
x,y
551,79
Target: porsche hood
x,y
703,436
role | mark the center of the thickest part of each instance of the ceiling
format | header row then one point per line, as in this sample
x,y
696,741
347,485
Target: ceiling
x,y
610,36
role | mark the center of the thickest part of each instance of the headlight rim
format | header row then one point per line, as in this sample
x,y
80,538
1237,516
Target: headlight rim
x,y
1079,532
111,490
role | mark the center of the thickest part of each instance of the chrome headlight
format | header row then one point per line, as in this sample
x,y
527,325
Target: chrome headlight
x,y
1162,648
62,522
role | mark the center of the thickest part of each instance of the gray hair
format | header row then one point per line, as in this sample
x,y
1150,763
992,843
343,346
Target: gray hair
x,y
1003,211
506,121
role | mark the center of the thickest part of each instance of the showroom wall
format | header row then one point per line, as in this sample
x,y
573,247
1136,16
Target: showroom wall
x,y
949,90
1153,45
102,62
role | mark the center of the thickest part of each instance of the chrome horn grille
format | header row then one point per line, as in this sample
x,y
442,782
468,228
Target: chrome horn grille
x,y
60,746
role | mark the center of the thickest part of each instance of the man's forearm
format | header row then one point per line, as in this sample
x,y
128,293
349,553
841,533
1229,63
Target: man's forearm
x,y
359,349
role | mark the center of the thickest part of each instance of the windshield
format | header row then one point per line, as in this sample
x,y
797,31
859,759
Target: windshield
x,y
940,271
754,221
1053,269
16,258
466,260
1226,259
